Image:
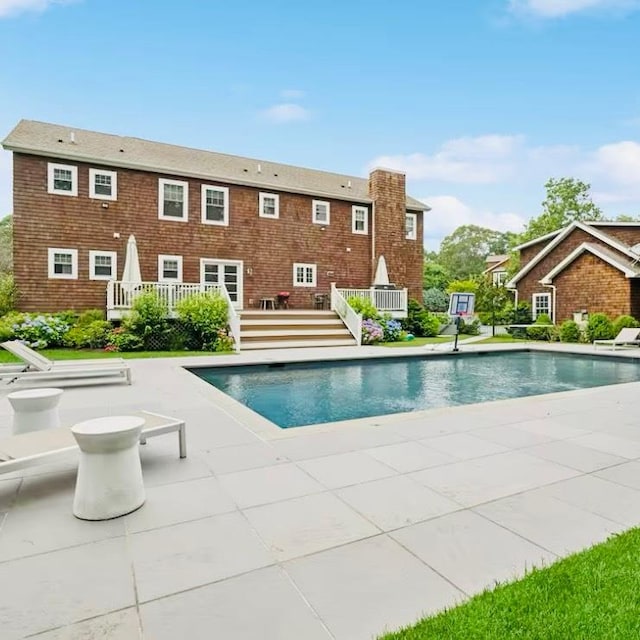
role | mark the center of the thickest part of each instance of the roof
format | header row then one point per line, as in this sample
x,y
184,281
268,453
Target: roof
x,y
58,141
495,262
530,243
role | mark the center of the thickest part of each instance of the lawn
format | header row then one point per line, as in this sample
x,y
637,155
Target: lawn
x,y
590,595
418,342
504,340
87,354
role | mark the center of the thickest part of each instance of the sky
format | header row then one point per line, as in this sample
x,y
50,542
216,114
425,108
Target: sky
x,y
479,102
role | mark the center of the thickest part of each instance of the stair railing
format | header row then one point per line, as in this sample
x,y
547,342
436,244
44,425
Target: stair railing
x,y
351,319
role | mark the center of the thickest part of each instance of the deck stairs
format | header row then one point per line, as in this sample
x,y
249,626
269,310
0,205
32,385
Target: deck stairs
x,y
282,329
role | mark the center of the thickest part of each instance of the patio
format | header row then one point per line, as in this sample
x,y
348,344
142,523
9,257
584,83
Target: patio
x,y
336,531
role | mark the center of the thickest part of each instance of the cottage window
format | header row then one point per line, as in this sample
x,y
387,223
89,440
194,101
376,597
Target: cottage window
x,y
173,200
63,264
215,205
169,268
411,226
321,212
103,185
269,205
359,220
62,179
102,265
304,275
541,303
499,278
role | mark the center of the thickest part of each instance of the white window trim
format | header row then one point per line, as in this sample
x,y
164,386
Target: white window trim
x,y
304,265
74,264
414,234
313,212
92,265
355,208
185,203
534,299
276,197
51,167
161,259
498,278
221,262
203,205
92,184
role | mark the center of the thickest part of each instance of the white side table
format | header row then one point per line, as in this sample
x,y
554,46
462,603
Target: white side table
x,y
35,409
109,482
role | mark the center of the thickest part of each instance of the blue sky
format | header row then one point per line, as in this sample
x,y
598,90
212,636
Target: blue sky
x,y
479,102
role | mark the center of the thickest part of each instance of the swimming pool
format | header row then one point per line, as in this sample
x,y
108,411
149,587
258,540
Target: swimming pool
x,y
297,394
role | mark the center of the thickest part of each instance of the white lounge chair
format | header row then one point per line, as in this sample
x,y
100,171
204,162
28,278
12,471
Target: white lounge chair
x,y
46,446
38,367
629,337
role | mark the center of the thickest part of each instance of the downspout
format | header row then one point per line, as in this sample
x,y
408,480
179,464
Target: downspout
x,y
553,297
515,297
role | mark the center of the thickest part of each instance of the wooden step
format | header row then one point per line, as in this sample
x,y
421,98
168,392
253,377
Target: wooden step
x,y
284,315
295,323
286,334
293,344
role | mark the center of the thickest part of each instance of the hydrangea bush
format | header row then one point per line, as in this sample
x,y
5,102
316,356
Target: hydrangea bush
x,y
40,331
372,332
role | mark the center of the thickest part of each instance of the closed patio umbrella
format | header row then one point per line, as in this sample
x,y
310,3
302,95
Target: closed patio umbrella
x,y
381,277
131,276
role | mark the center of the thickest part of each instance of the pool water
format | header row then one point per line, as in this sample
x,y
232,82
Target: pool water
x,y
297,394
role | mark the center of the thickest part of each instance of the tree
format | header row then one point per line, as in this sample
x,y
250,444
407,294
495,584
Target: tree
x,y
434,276
567,200
6,245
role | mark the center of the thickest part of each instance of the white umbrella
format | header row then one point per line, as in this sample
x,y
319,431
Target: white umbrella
x,y
131,276
382,277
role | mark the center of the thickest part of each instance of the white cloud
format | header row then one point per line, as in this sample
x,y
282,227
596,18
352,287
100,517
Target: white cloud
x,y
619,162
13,7
286,112
549,9
292,94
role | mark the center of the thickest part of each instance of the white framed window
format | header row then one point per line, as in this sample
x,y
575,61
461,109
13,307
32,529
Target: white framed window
x,y
63,264
411,226
62,179
359,220
103,184
169,268
103,265
304,275
173,200
215,205
499,278
321,212
541,303
227,272
269,205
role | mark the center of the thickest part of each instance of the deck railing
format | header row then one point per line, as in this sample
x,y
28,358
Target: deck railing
x,y
393,301
351,319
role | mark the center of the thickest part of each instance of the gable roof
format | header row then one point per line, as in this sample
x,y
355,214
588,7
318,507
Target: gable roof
x,y
629,267
603,237
530,243
57,141
495,262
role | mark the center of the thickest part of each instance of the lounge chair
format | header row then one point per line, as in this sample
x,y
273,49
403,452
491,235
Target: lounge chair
x,y
46,446
629,337
37,367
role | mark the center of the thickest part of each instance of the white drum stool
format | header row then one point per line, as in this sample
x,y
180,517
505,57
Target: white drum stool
x,y
35,409
109,482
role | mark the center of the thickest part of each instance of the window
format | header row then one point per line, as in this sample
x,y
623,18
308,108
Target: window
x,y
499,278
63,263
170,268
359,220
269,205
102,265
215,205
411,226
62,179
304,275
541,304
320,212
173,200
103,185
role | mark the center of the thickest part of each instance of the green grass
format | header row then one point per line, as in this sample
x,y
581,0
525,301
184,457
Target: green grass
x,y
504,340
86,354
592,595
418,342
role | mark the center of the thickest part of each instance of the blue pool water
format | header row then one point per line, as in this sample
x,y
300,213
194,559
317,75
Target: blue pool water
x,y
292,395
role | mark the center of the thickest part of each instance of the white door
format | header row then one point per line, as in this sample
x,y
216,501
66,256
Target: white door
x,y
227,272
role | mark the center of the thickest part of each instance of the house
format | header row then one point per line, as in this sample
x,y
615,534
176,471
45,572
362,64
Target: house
x,y
585,267
255,226
497,269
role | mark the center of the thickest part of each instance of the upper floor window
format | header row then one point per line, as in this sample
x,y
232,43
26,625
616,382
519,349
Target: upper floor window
x,y
173,200
102,265
359,220
269,205
63,263
62,179
321,212
411,226
169,268
103,185
541,304
304,275
215,205
499,278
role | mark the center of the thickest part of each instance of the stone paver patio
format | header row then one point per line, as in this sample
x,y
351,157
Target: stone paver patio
x,y
338,531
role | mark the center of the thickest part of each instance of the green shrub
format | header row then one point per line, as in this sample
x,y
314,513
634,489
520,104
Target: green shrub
x,y
392,329
569,331
520,314
418,320
94,335
469,328
364,306
148,320
205,317
8,293
540,333
122,340
599,327
622,322
89,316
40,331
435,299
429,325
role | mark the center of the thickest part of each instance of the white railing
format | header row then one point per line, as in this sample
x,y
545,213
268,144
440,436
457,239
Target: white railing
x,y
234,318
392,301
351,319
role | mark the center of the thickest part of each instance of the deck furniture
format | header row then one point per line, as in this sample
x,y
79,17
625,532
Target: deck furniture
x,y
35,409
629,337
267,303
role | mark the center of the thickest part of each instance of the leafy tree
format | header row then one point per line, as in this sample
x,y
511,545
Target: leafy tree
x,y
435,299
463,286
6,245
567,200
623,217
434,276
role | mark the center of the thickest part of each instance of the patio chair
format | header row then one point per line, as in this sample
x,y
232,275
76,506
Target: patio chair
x,y
49,445
37,367
629,337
